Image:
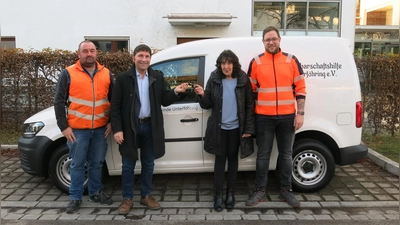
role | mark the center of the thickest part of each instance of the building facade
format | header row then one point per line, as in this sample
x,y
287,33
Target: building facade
x,y
377,27
120,25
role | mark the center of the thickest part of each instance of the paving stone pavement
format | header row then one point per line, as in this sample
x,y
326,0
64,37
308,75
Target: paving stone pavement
x,y
359,192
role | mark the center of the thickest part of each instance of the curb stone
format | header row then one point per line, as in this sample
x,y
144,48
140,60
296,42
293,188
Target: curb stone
x,y
384,162
380,160
8,146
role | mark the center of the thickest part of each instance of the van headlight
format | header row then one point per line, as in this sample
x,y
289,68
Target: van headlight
x,y
29,130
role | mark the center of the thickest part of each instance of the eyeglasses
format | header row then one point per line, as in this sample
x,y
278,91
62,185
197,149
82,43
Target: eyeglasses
x,y
270,39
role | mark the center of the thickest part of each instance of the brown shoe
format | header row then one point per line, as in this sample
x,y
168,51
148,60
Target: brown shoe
x,y
125,206
150,202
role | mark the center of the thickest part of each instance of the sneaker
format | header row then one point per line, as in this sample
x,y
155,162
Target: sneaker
x,y
101,198
73,206
288,197
125,206
257,196
150,202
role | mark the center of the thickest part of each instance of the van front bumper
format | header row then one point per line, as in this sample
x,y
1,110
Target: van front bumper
x,y
353,154
32,152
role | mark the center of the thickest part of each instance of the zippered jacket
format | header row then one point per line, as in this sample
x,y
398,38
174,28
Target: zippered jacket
x,y
277,80
86,98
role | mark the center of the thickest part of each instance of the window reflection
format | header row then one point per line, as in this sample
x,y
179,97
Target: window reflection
x,y
180,71
300,17
111,46
323,16
268,14
296,13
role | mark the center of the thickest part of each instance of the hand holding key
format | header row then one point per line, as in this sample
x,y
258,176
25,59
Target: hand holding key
x,y
198,90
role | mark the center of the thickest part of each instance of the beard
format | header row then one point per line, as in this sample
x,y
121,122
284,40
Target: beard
x,y
88,62
273,50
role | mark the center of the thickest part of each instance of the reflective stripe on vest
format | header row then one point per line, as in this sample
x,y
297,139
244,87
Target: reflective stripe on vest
x,y
275,103
88,117
88,103
278,89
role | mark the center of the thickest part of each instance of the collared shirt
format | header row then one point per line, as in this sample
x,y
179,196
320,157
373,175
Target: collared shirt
x,y
143,85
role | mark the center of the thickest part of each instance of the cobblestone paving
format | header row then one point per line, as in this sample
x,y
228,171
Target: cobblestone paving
x,y
359,192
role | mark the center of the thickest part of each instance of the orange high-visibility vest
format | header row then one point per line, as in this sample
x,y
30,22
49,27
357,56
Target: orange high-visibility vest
x,y
88,98
277,80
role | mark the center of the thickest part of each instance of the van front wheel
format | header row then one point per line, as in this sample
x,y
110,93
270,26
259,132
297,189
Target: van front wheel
x,y
313,166
59,169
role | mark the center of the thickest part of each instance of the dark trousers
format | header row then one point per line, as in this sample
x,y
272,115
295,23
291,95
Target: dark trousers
x,y
229,147
267,129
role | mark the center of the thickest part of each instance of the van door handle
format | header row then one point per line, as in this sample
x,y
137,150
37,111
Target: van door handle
x,y
189,120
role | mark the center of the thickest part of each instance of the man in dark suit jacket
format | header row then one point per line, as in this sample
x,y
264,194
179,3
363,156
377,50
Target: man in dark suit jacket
x,y
137,122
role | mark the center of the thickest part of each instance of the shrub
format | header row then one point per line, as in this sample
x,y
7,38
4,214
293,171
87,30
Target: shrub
x,y
379,79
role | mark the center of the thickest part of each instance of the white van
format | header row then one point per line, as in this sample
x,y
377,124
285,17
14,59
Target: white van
x,y
331,134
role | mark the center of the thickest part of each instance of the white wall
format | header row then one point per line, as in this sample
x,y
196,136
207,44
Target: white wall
x,y
396,12
63,24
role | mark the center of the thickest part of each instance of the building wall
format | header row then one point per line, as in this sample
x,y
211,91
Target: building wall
x,y
377,18
378,31
348,19
391,7
60,24
57,24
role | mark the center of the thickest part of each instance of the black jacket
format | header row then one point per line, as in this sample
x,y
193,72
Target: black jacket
x,y
123,101
245,102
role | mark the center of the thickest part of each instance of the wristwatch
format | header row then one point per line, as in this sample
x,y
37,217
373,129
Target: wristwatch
x,y
300,113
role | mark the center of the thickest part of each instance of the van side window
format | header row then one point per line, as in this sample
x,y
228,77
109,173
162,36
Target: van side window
x,y
189,70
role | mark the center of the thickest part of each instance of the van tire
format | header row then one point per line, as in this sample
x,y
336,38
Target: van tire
x,y
313,166
59,169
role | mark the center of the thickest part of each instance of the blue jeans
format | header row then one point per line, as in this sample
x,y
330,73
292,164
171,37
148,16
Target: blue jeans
x,y
90,145
267,129
144,141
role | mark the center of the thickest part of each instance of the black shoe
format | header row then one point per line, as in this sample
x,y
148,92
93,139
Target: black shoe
x,y
73,206
230,199
218,200
218,203
101,198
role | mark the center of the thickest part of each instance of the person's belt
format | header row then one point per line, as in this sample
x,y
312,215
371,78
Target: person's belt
x,y
144,119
